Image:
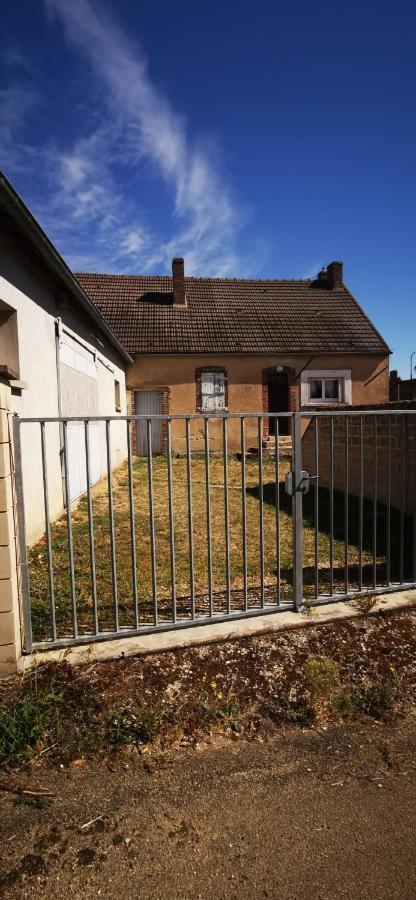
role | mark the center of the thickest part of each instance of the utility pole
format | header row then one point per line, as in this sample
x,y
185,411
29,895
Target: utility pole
x,y
411,373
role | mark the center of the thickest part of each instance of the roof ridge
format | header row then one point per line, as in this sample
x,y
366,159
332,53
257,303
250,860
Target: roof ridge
x,y
215,278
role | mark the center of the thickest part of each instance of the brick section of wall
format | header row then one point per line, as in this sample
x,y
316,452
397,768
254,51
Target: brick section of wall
x,y
198,390
10,646
396,441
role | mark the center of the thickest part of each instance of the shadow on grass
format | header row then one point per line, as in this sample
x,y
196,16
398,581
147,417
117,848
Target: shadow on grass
x,y
401,554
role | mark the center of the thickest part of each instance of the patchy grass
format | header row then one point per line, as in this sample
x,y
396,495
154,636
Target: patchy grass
x,y
38,559
362,666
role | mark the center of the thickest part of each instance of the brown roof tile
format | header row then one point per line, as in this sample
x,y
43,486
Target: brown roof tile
x,y
232,315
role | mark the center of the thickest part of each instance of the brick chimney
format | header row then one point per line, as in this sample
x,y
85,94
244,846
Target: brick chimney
x,y
334,274
178,278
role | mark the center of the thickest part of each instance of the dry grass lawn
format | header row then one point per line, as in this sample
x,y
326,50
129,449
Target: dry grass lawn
x,y
38,556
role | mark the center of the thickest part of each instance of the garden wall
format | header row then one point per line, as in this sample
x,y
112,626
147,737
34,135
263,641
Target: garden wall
x,y
389,439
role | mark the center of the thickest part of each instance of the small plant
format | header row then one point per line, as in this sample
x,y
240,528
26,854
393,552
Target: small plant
x,y
343,703
379,699
365,604
23,726
322,676
307,607
322,682
136,726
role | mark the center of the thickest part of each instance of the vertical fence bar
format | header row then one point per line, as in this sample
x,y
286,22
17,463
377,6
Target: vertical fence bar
x,y
132,527
152,519
91,527
23,558
208,511
112,529
226,515
316,507
277,504
346,504
297,513
48,531
171,520
261,507
190,517
331,507
375,501
244,509
402,500
361,509
69,530
388,510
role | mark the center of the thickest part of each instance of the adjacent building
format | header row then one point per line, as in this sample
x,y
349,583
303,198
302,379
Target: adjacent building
x,y
60,358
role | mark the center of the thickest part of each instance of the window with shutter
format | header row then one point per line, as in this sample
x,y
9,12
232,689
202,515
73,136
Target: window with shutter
x,y
212,391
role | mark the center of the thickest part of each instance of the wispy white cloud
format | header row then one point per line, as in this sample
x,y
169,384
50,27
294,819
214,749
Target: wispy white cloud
x,y
204,215
91,220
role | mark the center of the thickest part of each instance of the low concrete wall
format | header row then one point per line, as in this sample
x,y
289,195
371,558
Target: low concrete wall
x,y
221,631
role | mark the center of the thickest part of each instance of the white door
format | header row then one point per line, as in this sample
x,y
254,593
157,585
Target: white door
x,y
79,397
148,403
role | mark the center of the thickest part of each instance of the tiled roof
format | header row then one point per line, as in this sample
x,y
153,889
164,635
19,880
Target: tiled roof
x,y
232,316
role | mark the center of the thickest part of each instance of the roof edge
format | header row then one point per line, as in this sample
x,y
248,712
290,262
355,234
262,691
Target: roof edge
x,y
29,225
370,322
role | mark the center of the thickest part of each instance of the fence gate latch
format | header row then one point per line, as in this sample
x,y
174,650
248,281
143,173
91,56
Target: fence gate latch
x,y
303,485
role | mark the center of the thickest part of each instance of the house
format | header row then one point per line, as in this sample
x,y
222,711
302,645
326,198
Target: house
x,y
239,345
59,357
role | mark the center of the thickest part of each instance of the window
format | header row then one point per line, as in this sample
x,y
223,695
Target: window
x,y
326,390
117,395
326,386
212,391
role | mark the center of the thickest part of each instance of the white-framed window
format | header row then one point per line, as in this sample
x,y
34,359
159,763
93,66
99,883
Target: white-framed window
x,y
212,391
117,395
326,387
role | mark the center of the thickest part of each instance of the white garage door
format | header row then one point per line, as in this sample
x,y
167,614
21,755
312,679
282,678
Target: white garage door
x,y
79,397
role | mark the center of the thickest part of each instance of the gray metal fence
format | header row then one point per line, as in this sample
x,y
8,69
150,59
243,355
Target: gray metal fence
x,y
225,522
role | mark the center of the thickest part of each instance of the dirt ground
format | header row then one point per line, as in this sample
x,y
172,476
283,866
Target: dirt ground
x,y
323,812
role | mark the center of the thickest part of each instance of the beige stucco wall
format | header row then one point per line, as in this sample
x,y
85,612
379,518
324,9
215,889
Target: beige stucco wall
x,y
29,290
369,385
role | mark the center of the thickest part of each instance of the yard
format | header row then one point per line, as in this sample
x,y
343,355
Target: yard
x,y
273,538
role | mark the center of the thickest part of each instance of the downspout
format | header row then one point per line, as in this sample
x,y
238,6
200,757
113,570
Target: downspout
x,y
58,335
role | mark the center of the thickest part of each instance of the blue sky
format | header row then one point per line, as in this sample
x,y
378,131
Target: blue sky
x,y
258,140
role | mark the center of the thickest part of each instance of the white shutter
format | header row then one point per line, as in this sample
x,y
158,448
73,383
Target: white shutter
x,y
213,391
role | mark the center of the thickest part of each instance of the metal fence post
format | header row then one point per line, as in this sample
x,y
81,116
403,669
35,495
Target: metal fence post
x,y
297,513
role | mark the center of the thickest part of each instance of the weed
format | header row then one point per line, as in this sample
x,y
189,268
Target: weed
x,y
137,726
321,676
365,604
378,700
23,726
343,703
